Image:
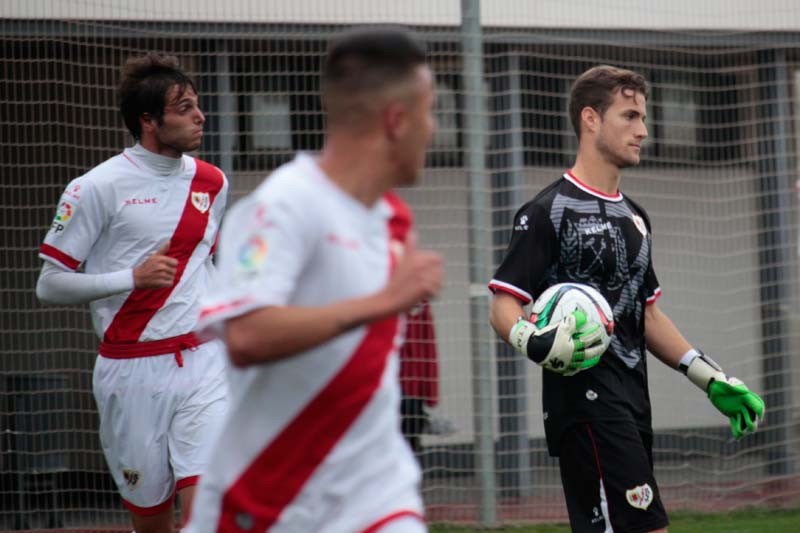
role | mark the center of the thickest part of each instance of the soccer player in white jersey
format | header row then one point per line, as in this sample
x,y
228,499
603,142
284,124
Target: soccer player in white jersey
x,y
311,289
144,225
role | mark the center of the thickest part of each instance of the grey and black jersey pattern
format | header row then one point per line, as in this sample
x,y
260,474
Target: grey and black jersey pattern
x,y
574,233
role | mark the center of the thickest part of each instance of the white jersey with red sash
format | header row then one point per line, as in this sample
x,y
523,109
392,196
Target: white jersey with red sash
x,y
311,442
120,212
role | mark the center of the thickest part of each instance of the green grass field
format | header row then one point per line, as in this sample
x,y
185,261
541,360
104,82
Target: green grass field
x,y
759,521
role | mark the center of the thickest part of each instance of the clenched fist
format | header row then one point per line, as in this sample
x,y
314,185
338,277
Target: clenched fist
x,y
157,272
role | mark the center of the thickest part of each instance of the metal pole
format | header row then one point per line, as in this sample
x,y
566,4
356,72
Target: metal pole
x,y
518,197
227,111
480,255
506,163
774,244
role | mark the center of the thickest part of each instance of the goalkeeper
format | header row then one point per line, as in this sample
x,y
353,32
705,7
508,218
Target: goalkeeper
x,y
582,229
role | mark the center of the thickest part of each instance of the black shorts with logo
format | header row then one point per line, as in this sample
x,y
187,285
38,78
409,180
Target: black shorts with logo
x,y
607,474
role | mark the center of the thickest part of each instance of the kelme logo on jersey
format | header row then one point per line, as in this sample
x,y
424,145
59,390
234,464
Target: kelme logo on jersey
x,y
132,477
201,201
63,215
640,497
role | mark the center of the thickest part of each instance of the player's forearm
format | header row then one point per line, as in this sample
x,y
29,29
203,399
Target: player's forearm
x,y
272,333
503,313
663,338
57,286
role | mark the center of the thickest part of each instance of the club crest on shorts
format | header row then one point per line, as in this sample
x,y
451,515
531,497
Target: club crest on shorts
x,y
201,201
132,477
640,225
640,497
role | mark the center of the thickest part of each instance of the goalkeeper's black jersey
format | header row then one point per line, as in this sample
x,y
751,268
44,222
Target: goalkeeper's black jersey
x,y
571,232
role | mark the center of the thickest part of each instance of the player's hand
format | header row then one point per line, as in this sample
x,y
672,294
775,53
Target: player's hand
x,y
418,276
744,408
566,347
157,272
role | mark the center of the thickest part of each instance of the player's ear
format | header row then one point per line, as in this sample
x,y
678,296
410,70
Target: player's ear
x,y
147,122
590,119
394,118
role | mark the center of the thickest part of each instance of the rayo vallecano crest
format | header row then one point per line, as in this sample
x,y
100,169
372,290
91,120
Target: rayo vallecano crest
x,y
640,225
201,201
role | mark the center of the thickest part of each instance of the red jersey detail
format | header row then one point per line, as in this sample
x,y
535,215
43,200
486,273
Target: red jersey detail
x,y
519,296
208,311
187,482
374,528
402,218
142,304
655,296
419,369
132,350
58,255
150,511
277,475
579,183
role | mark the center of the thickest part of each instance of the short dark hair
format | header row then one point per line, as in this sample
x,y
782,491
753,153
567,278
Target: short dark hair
x,y
366,60
144,85
595,88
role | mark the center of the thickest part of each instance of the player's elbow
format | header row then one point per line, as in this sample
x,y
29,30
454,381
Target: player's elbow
x,y
44,293
245,347
240,352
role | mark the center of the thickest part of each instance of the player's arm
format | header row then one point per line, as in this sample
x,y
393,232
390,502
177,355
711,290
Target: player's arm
x,y
57,285
275,332
556,347
730,396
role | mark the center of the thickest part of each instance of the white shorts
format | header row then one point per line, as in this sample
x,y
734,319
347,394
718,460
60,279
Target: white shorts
x,y
157,420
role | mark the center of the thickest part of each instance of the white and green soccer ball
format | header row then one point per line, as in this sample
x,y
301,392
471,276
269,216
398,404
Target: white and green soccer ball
x,y
562,299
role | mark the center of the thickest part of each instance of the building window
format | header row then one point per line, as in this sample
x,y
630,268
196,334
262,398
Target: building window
x,y
269,122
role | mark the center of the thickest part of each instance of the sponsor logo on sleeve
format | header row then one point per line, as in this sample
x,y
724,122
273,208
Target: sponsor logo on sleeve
x,y
201,201
73,192
251,256
640,497
522,225
63,216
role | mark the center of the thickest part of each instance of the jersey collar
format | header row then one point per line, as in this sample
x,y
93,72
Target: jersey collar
x,y
569,176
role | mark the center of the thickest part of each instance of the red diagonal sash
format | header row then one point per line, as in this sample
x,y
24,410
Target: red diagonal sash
x,y
277,475
142,304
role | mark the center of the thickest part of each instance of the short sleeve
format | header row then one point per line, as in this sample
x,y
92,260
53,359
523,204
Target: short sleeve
x,y
79,220
651,286
529,253
263,247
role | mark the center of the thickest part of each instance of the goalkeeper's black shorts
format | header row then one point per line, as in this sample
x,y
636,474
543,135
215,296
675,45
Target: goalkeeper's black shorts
x,y
607,474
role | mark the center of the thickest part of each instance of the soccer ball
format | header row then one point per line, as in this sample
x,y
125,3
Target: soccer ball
x,y
560,300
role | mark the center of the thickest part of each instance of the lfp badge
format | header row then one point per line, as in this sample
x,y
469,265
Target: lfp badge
x,y
63,215
251,257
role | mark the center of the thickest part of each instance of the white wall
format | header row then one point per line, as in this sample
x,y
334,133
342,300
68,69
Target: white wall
x,y
766,15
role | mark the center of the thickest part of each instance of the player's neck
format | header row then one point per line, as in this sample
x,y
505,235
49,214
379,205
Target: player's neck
x,y
158,163
597,173
355,167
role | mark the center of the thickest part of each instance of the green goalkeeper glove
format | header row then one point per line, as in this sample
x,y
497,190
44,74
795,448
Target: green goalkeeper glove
x,y
565,347
730,396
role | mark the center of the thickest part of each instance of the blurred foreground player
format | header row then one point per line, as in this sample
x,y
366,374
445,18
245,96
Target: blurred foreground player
x,y
309,301
144,224
582,229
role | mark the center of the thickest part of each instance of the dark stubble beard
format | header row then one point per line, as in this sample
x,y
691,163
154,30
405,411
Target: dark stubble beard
x,y
611,157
